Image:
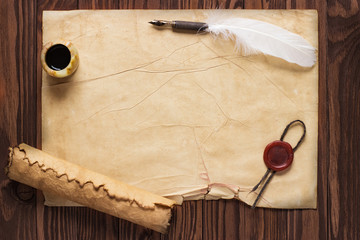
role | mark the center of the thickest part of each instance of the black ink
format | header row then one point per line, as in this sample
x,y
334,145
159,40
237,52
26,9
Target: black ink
x,y
58,57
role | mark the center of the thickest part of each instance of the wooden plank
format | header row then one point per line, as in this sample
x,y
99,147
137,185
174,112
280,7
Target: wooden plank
x,y
181,4
343,88
98,4
231,219
264,4
18,112
186,223
221,219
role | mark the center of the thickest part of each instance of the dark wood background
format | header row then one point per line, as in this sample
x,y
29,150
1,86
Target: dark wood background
x,y
23,215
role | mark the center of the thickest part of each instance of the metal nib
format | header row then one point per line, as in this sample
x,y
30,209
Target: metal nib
x,y
160,23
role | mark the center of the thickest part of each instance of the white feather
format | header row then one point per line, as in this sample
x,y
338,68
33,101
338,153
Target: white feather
x,y
253,37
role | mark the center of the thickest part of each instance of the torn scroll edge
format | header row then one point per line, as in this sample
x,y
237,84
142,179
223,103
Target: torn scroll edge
x,y
151,210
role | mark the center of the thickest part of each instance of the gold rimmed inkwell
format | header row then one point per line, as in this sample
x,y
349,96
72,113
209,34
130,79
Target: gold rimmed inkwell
x,y
59,58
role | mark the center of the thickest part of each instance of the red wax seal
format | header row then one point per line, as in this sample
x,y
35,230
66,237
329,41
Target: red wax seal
x,y
278,155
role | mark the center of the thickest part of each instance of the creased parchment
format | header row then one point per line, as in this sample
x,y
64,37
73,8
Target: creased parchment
x,y
56,176
181,115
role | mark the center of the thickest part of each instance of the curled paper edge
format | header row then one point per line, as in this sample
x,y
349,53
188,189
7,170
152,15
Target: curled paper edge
x,y
40,170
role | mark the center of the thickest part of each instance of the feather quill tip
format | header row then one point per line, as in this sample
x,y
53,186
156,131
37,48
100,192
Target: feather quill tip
x,y
254,37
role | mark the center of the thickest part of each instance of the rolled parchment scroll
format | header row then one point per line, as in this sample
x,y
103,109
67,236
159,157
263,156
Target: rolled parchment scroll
x,y
38,169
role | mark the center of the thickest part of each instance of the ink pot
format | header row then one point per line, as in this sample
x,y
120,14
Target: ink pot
x,y
59,58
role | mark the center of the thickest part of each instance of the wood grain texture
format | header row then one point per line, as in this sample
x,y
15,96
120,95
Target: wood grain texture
x,y
18,113
23,215
343,78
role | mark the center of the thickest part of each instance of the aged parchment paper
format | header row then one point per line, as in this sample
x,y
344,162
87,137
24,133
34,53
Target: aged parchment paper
x,y
181,115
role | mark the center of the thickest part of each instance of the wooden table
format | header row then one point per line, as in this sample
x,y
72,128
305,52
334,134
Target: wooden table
x,y
23,215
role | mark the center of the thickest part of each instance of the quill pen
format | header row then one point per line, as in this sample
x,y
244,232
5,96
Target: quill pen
x,y
253,37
